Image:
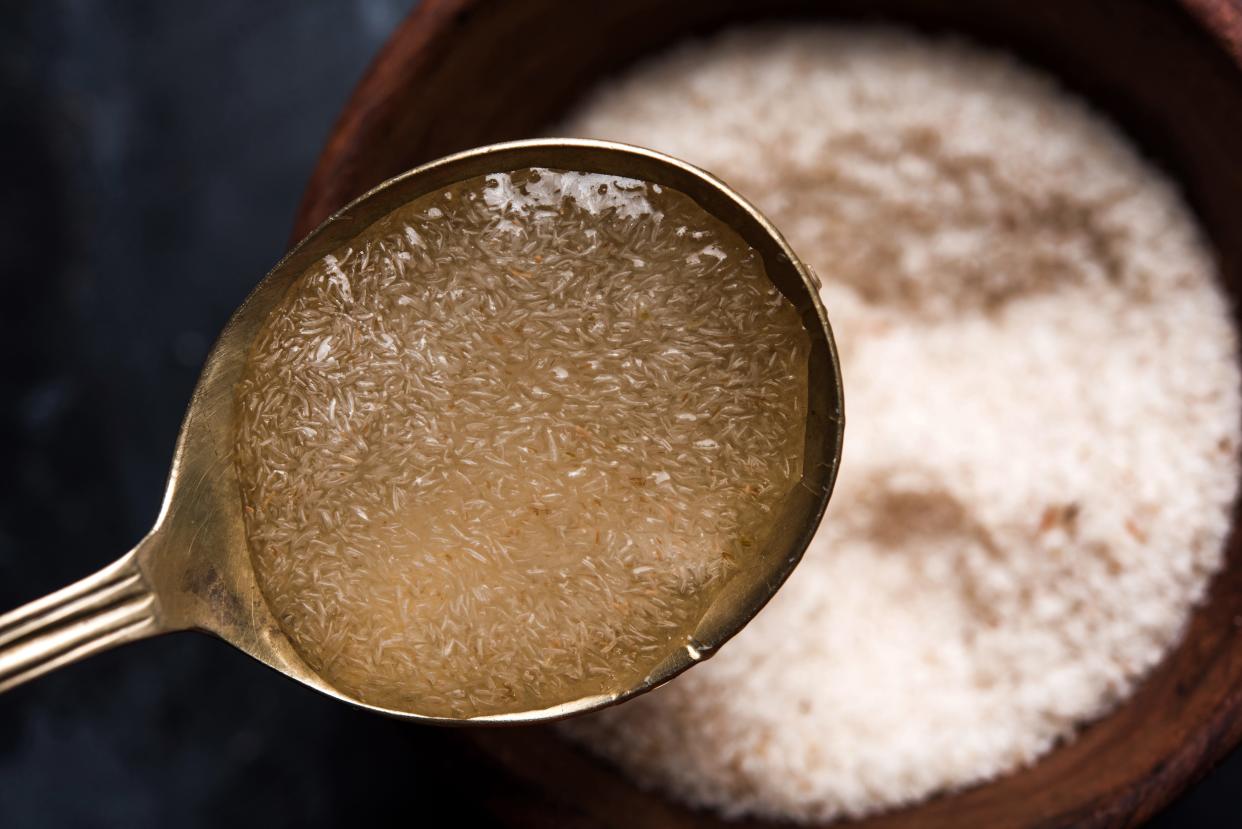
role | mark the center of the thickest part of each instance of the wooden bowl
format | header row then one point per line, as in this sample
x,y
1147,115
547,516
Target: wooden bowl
x,y
460,73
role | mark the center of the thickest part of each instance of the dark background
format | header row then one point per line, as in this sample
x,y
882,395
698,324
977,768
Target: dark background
x,y
153,154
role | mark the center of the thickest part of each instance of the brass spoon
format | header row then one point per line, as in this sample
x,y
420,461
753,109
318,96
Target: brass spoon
x,y
193,570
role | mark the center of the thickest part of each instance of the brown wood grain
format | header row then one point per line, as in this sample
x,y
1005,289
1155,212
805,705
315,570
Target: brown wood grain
x,y
460,73
1223,18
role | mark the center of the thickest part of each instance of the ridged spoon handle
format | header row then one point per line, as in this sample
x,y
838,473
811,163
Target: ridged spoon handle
x,y
109,608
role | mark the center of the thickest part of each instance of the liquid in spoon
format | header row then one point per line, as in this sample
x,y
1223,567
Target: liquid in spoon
x,y
502,450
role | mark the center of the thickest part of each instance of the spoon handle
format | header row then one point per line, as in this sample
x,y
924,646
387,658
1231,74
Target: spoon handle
x,y
103,610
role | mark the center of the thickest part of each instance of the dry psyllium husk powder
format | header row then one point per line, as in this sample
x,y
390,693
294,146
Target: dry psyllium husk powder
x,y
1043,418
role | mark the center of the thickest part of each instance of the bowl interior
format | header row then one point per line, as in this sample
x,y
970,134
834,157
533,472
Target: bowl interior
x,y
461,73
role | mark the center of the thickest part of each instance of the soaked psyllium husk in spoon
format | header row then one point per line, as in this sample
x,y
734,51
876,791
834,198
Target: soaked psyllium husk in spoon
x,y
502,450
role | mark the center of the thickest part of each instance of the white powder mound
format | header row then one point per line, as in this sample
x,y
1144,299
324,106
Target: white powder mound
x,y
500,451
1043,408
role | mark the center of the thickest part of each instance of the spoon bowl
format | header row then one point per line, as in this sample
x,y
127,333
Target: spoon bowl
x,y
193,571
